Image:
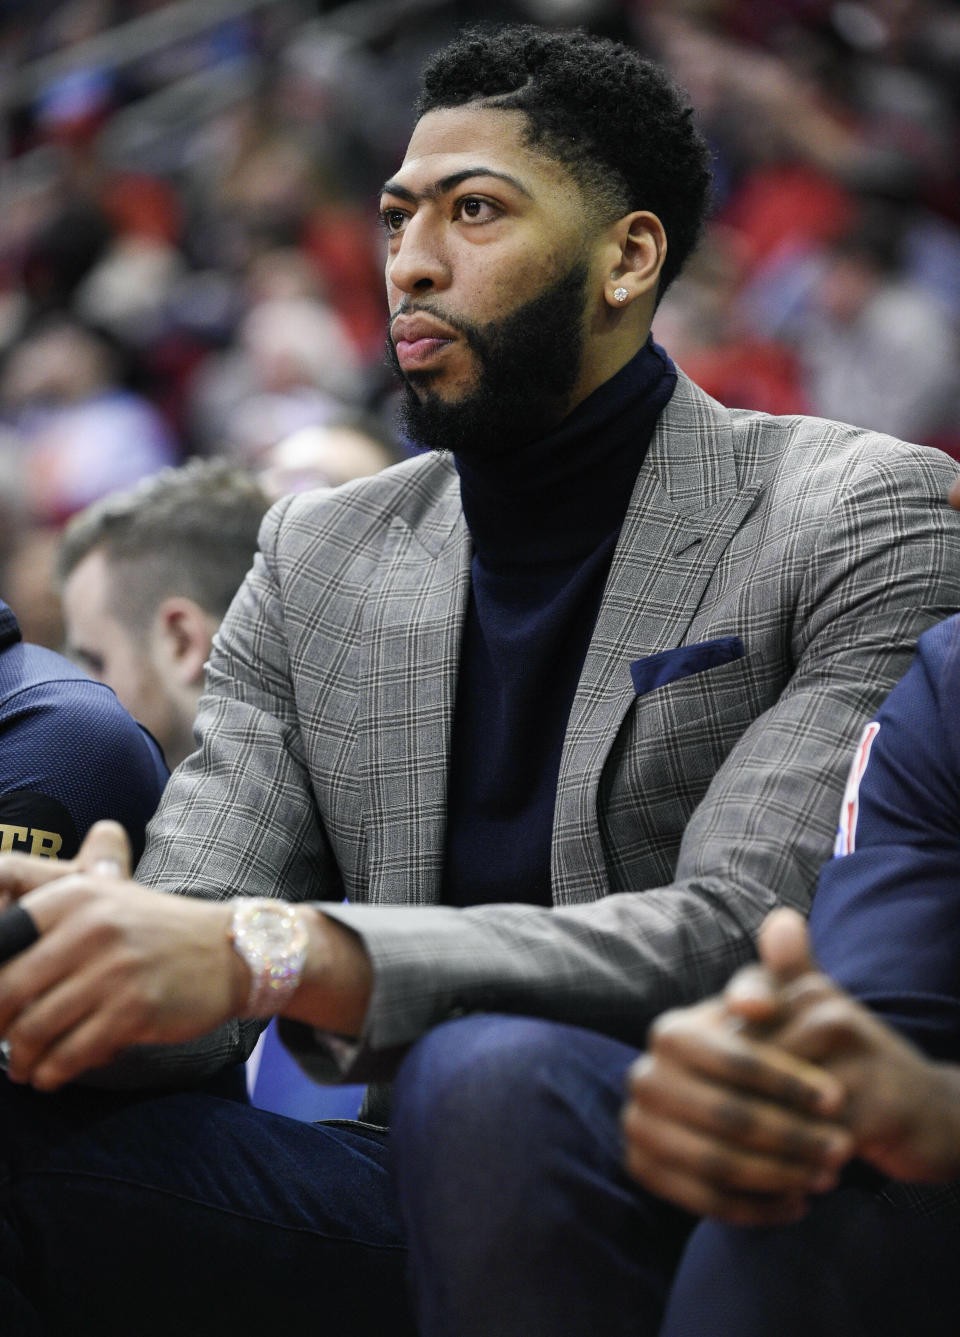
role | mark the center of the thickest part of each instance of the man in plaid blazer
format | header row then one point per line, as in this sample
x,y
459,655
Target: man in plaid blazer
x,y
697,607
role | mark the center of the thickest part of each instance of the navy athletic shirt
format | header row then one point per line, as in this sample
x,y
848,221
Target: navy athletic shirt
x,y
69,753
544,520
886,917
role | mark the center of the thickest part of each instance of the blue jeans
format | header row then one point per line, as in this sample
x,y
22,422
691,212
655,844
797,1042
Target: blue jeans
x,y
854,1267
185,1212
519,1218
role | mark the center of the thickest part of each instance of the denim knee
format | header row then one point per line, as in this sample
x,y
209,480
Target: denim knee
x,y
518,1214
493,1099
473,1078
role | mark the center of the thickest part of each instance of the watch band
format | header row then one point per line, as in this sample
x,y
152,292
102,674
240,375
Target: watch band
x,y
272,939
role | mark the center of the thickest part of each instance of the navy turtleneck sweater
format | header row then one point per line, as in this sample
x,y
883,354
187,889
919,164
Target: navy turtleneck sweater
x,y
544,522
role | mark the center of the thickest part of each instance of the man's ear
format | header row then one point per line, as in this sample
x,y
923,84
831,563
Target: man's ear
x,y
637,248
184,632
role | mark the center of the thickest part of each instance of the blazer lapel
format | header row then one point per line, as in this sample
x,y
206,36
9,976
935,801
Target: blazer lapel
x,y
411,637
685,509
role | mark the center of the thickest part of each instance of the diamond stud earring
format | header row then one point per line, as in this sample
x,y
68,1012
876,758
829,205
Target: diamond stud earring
x,y
620,294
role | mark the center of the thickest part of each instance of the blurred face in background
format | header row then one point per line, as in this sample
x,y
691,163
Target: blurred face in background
x,y
126,659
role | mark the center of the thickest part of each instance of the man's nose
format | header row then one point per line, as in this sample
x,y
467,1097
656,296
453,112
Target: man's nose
x,y
419,263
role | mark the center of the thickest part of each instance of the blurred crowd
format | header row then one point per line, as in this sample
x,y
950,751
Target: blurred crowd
x,y
190,262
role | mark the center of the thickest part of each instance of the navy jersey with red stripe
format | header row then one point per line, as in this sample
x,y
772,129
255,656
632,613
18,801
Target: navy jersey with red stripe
x,y
886,917
69,753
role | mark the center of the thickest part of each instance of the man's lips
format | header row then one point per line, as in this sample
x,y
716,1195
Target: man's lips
x,y
418,339
415,352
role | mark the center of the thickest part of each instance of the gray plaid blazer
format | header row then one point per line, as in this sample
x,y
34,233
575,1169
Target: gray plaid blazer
x,y
683,813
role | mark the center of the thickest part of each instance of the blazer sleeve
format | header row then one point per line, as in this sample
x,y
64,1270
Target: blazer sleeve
x,y
880,568
238,816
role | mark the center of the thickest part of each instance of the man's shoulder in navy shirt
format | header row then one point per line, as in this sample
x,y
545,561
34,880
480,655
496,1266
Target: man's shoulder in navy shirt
x,y
886,917
70,754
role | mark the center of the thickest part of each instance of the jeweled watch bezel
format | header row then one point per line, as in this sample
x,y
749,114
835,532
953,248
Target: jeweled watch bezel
x,y
271,937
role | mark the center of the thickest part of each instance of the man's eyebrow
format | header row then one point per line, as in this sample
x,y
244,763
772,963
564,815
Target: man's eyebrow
x,y
447,183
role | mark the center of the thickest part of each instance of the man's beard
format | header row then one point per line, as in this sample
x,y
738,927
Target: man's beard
x,y
527,365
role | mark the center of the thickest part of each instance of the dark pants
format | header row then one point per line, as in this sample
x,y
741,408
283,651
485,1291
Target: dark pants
x,y
518,1216
854,1267
189,1213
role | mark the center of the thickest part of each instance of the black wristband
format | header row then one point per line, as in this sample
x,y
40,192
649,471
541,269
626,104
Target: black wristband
x,y
18,929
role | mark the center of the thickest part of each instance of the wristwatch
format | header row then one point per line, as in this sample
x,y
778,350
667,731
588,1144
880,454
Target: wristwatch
x,y
272,939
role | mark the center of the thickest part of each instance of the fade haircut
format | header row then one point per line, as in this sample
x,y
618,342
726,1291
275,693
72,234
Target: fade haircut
x,y
615,120
190,531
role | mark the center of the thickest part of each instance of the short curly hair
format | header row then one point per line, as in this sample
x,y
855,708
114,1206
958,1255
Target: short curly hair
x,y
615,120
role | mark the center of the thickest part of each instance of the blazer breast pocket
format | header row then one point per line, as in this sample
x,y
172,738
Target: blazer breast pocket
x,y
669,665
670,746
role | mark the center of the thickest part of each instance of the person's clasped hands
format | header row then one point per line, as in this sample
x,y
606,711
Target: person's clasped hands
x,y
747,1104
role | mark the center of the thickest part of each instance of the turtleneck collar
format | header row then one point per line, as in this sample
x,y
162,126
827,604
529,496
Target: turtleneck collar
x,y
554,499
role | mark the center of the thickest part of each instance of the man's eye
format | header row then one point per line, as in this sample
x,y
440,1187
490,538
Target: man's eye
x,y
475,210
392,220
